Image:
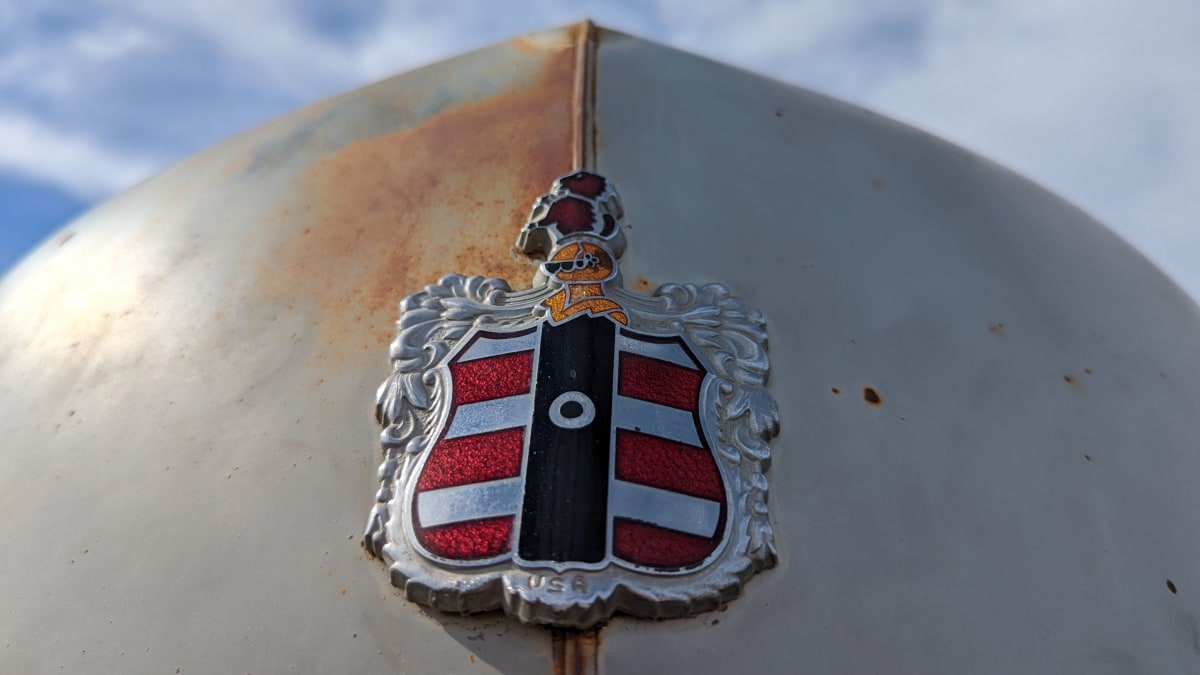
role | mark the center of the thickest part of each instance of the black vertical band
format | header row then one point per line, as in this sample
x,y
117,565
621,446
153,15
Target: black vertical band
x,y
566,474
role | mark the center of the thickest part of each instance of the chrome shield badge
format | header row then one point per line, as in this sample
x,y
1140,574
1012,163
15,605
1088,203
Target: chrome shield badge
x,y
575,449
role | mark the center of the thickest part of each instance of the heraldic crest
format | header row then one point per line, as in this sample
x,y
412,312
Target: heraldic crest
x,y
575,449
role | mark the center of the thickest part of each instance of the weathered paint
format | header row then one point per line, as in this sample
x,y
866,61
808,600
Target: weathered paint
x,y
382,217
186,377
986,514
576,652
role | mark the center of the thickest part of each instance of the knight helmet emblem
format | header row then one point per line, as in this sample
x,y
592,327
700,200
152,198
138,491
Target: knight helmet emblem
x,y
575,449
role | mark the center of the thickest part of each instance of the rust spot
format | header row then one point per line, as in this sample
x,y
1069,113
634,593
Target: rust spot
x,y
391,214
872,397
1087,370
526,44
997,329
343,591
836,391
642,285
1171,587
589,128
1088,457
568,36
472,658
575,652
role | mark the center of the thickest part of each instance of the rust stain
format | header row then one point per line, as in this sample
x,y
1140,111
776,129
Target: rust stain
x,y
642,285
584,96
575,652
391,214
537,43
872,397
593,60
997,329
525,45
1171,587
836,391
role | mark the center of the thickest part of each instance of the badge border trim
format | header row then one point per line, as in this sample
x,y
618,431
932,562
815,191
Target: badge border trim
x,y
738,416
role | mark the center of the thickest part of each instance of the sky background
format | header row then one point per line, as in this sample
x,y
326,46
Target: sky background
x,y
1100,104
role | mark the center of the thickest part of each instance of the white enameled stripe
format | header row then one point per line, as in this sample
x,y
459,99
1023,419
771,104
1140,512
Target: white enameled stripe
x,y
663,351
663,508
484,347
654,419
494,415
469,502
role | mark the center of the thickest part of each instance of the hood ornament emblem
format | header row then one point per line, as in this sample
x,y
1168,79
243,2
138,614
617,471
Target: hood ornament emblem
x,y
575,449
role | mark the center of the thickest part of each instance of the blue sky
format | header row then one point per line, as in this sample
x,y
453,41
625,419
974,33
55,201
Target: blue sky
x,y
1100,104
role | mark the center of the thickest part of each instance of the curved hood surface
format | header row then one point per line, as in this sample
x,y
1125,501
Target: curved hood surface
x,y
987,459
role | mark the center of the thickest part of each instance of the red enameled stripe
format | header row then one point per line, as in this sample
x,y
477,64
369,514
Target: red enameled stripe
x,y
472,540
661,463
653,546
659,382
473,459
492,377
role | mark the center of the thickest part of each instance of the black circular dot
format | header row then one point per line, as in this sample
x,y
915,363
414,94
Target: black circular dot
x,y
571,409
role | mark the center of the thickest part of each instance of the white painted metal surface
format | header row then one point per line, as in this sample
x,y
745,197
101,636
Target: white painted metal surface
x,y
1027,484
988,454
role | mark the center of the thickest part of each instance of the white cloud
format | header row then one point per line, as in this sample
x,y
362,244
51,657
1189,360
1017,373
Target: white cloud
x,y
1094,103
60,67
72,162
1099,103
